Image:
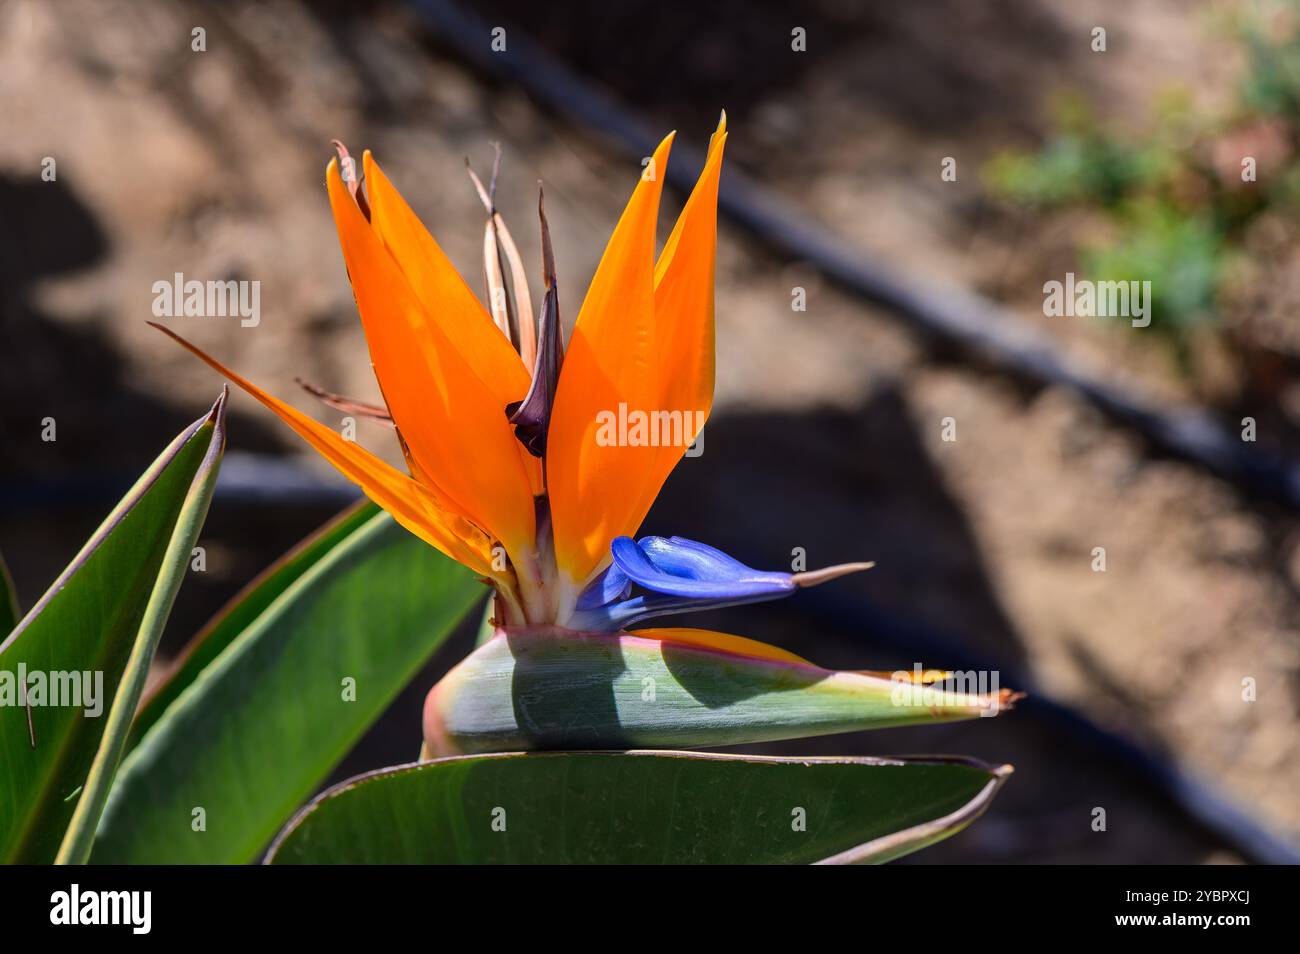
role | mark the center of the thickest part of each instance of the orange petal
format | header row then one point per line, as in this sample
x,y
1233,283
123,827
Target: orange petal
x,y
410,504
684,315
447,300
454,424
707,193
721,642
684,291
610,361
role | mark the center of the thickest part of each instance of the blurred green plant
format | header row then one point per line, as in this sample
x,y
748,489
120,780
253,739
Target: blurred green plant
x,y
1181,254
1175,199
1271,86
1080,164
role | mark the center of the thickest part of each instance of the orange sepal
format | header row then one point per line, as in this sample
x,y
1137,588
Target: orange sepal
x,y
610,361
447,300
721,642
410,504
454,424
684,278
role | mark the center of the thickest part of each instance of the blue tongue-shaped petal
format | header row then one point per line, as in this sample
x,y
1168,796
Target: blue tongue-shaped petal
x,y
676,566
681,575
611,585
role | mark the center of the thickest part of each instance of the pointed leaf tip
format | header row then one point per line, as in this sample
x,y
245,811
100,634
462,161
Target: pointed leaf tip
x,y
217,416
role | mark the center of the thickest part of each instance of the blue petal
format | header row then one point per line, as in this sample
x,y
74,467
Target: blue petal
x,y
620,615
611,585
675,566
681,575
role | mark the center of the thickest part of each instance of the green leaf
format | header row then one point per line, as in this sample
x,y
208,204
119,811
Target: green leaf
x,y
559,689
242,610
9,612
102,616
639,808
261,727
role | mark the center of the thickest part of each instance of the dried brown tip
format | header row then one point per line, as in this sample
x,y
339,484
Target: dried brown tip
x,y
346,404
826,574
484,196
351,177
523,312
496,171
511,308
548,253
499,303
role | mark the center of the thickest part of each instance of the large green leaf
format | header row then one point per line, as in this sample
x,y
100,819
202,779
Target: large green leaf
x,y
102,618
260,728
639,807
242,610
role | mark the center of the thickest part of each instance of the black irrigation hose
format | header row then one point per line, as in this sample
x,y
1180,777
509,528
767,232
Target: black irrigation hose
x,y
245,479
950,313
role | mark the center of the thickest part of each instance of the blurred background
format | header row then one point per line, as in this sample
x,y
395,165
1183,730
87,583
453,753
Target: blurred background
x,y
828,433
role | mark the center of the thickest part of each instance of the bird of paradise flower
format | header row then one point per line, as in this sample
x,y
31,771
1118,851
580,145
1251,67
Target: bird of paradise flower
x,y
509,474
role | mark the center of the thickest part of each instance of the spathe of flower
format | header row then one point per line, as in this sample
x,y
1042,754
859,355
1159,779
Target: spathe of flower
x,y
547,688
